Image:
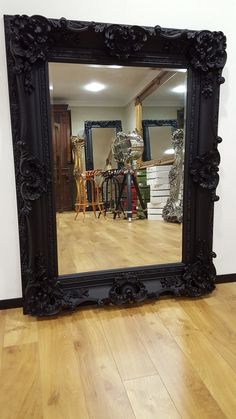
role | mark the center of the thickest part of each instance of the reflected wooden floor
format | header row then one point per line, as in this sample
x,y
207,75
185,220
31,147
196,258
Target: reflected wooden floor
x,y
174,358
106,243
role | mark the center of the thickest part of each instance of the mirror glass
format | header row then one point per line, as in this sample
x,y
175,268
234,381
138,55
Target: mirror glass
x,y
160,142
118,137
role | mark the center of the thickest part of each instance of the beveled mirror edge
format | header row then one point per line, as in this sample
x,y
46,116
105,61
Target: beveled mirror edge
x,y
33,41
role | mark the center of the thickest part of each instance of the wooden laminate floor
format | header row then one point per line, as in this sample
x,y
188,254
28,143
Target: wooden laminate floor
x,y
96,244
175,358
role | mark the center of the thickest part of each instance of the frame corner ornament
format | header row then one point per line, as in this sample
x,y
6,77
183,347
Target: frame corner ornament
x,y
208,51
208,56
200,276
29,45
44,296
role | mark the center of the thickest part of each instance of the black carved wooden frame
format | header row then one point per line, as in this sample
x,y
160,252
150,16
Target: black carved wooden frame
x,y
88,126
31,42
146,124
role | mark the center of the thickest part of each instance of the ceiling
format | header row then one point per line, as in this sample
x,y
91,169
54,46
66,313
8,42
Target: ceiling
x,y
122,85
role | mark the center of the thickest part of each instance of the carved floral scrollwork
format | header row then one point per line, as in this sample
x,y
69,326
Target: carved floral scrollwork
x,y
33,178
29,44
200,276
44,296
205,168
208,51
127,289
123,41
172,282
208,55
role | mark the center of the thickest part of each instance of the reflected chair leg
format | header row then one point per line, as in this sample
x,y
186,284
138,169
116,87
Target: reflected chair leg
x,y
101,210
84,189
119,197
78,199
129,197
135,183
93,197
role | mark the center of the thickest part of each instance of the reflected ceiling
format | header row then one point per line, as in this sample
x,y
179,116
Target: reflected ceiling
x,y
121,85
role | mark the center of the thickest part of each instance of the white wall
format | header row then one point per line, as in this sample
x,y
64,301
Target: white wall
x,y
201,14
91,113
130,117
159,112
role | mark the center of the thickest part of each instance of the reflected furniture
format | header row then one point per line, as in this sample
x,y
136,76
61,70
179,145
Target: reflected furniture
x,y
158,181
85,180
62,157
110,190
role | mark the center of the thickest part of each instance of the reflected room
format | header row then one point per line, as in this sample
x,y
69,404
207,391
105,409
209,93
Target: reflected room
x,y
118,136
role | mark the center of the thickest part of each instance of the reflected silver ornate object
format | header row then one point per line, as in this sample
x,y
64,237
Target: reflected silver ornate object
x,y
173,210
127,148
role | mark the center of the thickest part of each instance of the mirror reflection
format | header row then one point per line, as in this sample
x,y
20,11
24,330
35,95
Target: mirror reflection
x,y
118,162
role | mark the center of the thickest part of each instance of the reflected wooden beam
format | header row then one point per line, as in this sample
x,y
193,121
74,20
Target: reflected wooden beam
x,y
155,84
138,116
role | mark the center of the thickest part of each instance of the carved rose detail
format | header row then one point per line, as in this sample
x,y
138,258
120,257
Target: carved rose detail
x,y
29,44
200,276
205,168
44,296
126,289
32,179
208,51
123,41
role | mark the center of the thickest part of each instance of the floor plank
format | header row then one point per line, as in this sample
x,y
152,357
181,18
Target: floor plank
x,y
2,332
182,382
103,388
19,329
170,358
203,357
150,399
20,386
130,355
175,319
62,390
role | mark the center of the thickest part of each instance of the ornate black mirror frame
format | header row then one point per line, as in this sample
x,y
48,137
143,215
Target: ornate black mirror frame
x,y
34,41
146,124
88,126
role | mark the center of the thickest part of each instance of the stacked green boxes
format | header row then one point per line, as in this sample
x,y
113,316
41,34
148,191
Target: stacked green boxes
x,y
144,189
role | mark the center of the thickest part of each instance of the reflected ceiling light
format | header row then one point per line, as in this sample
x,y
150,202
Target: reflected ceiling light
x,y
115,66
51,87
95,65
94,87
179,89
169,151
182,70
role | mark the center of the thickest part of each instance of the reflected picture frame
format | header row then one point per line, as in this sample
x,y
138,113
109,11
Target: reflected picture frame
x,y
34,41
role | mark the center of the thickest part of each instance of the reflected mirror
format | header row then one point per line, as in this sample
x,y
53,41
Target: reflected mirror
x,y
102,139
118,155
